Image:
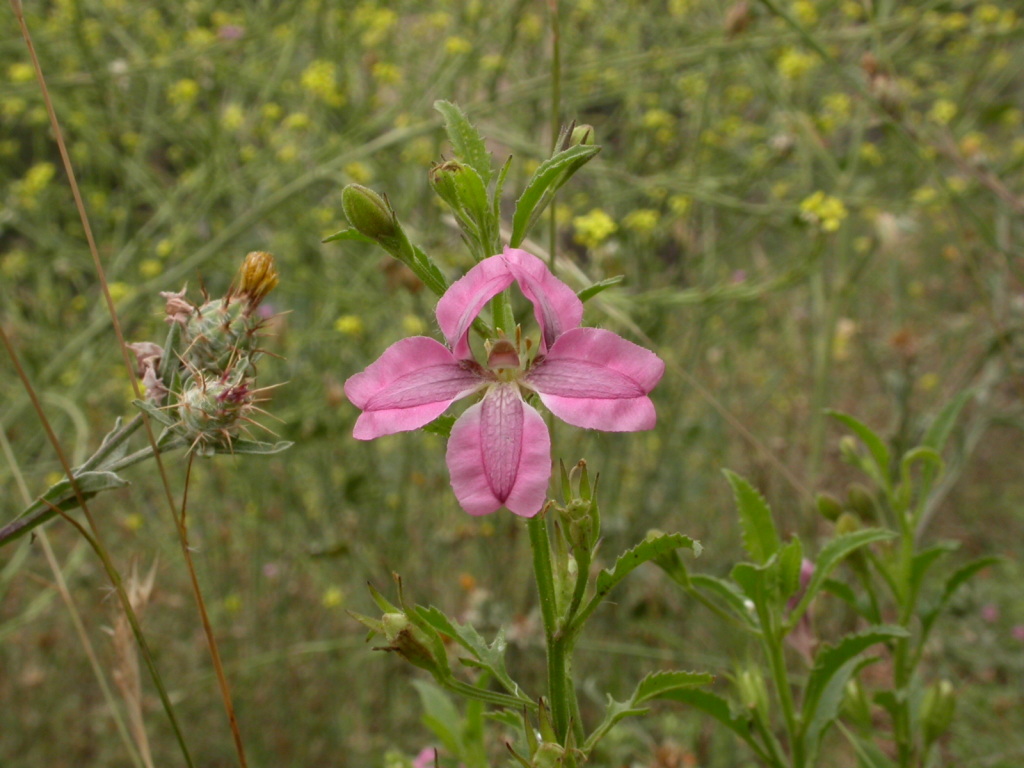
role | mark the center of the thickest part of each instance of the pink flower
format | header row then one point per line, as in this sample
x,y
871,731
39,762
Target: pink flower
x,y
499,453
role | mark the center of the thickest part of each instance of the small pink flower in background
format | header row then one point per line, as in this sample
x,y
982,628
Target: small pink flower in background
x,y
1018,632
499,453
990,613
425,759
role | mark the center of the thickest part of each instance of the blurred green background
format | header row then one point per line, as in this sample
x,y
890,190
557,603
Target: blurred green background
x,y
824,212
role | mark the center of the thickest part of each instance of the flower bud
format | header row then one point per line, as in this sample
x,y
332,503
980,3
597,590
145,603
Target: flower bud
x,y
581,134
856,704
548,755
213,410
256,278
446,181
752,690
847,523
937,710
860,500
581,515
371,215
828,506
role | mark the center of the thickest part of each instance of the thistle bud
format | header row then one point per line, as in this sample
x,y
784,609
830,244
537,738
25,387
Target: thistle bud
x,y
256,278
213,410
371,215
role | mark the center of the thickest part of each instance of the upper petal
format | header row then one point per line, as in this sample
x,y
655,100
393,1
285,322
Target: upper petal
x,y
466,298
595,379
410,385
555,305
499,454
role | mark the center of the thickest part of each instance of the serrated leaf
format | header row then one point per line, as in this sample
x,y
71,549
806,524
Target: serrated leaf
x,y
760,538
875,445
645,551
253,447
830,660
546,180
657,684
348,234
466,141
591,291
499,189
490,657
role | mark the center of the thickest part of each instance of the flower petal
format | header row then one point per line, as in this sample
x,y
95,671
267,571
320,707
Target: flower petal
x,y
595,379
410,385
555,305
499,454
466,298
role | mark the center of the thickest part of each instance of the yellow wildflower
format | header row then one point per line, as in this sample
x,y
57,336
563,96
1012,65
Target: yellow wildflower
x,y
183,93
942,112
642,220
593,228
823,210
349,325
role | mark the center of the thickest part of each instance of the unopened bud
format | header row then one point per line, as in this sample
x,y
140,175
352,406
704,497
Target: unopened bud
x,y
937,710
847,523
408,641
860,500
856,704
828,506
581,134
257,277
752,690
371,215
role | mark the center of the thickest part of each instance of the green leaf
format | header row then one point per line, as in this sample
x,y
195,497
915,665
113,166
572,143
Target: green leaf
x,y
830,556
546,180
499,188
490,657
924,560
942,427
657,684
959,577
62,496
760,538
253,447
829,703
831,663
791,558
466,141
592,290
647,550
348,234
162,415
729,594
440,715
614,712
875,445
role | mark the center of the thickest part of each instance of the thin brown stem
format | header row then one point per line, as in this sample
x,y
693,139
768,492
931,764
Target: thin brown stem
x,y
211,640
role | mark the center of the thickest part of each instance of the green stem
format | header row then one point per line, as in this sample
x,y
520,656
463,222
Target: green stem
x,y
773,648
558,695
